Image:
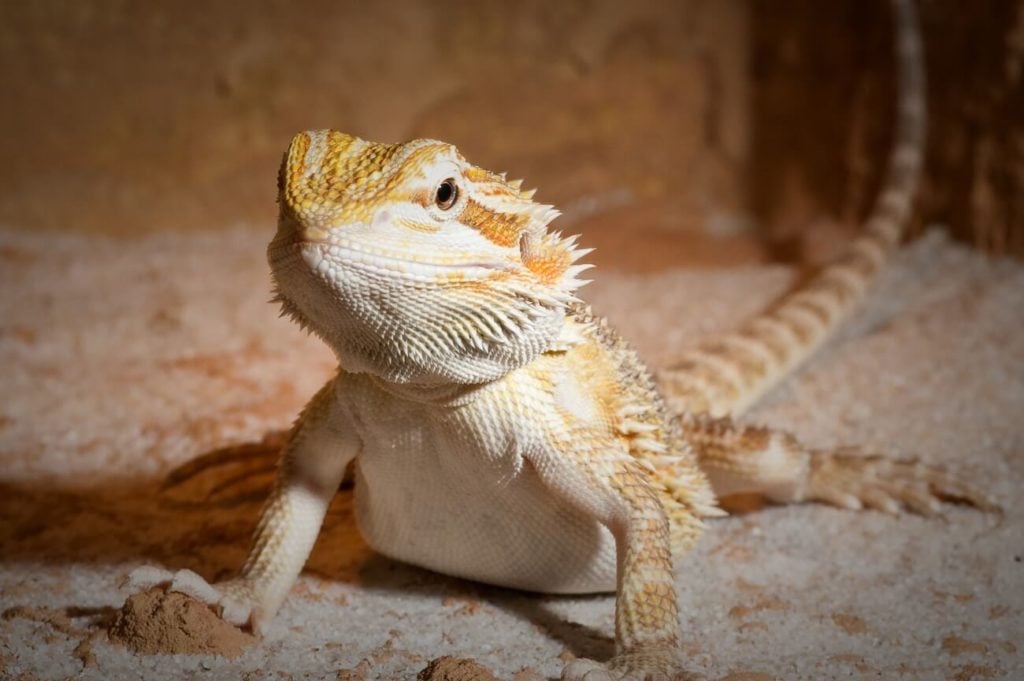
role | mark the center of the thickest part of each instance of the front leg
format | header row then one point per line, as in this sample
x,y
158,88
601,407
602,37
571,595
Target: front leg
x,y
320,446
617,492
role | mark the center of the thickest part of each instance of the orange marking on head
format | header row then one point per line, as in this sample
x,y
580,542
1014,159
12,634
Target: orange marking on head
x,y
296,161
481,176
329,178
503,229
549,263
427,228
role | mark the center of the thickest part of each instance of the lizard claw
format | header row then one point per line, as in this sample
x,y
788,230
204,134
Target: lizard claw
x,y
659,664
233,601
889,485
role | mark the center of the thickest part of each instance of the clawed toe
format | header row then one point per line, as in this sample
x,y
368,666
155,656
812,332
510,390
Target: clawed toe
x,y
889,485
230,600
183,581
647,665
588,670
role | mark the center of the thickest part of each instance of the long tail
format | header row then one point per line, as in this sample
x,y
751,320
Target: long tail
x,y
726,374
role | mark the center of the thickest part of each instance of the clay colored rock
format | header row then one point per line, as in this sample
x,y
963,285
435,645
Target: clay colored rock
x,y
154,621
450,668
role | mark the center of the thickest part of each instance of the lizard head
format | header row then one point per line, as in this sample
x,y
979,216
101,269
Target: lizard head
x,y
415,265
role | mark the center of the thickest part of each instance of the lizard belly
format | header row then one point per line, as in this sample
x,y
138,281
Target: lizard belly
x,y
486,517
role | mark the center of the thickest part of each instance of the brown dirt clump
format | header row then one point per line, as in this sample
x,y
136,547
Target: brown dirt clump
x,y
450,668
156,621
851,624
357,673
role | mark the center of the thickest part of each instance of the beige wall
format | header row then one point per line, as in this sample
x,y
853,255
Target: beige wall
x,y
696,116
128,117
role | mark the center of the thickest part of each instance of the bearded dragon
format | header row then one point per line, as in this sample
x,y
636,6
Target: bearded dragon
x,y
501,431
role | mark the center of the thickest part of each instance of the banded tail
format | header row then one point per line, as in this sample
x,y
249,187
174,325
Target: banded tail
x,y
727,374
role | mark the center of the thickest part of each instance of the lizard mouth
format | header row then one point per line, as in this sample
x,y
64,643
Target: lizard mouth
x,y
324,256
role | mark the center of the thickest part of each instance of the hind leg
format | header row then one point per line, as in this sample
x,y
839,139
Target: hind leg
x,y
773,463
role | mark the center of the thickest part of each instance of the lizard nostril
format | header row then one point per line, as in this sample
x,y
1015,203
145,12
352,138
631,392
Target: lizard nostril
x,y
382,217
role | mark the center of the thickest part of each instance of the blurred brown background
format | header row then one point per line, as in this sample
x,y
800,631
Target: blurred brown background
x,y
754,128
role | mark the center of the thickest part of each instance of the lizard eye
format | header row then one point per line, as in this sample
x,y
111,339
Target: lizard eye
x,y
447,194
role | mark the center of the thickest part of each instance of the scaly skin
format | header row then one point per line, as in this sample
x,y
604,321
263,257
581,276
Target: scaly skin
x,y
483,400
